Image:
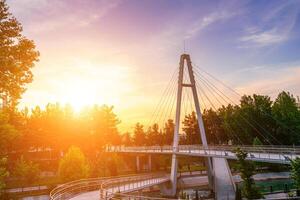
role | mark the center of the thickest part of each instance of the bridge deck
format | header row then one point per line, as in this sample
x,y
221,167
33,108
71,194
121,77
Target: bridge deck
x,y
257,153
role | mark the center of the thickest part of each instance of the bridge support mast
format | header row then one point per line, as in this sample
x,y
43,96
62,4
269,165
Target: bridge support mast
x,y
186,58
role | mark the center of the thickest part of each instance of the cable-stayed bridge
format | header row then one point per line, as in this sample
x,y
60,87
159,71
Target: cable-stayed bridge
x,y
176,103
268,154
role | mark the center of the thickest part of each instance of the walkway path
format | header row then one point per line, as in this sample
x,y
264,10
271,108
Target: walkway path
x,y
192,181
224,185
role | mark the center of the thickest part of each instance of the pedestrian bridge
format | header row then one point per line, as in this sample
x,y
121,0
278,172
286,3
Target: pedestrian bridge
x,y
118,187
107,188
269,154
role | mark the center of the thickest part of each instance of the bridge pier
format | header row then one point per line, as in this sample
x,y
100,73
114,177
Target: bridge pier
x,y
150,163
138,169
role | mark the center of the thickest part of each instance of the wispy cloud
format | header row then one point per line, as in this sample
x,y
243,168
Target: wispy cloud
x,y
60,14
274,26
205,21
265,38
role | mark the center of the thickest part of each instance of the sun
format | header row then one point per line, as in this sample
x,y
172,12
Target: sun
x,y
94,85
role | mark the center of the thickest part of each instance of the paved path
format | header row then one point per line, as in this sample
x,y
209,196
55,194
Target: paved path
x,y
125,188
191,182
224,185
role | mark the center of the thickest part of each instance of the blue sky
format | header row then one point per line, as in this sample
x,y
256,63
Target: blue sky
x,y
253,46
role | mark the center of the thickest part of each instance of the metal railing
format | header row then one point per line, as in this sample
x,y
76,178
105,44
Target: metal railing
x,y
71,189
281,154
74,188
117,187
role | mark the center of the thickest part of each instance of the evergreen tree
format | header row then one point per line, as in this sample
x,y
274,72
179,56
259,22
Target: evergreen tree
x,y
168,132
139,136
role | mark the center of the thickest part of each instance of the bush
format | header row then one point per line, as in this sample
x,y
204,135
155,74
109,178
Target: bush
x,y
73,165
26,170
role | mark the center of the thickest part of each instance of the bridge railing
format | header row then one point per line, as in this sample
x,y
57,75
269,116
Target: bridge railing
x,y
117,187
261,152
73,188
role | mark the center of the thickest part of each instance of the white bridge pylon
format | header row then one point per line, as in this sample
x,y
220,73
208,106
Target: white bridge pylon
x,y
185,58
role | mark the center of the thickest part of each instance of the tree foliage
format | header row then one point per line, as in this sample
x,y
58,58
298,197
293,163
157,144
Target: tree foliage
x,y
295,164
3,173
73,165
247,169
17,57
26,170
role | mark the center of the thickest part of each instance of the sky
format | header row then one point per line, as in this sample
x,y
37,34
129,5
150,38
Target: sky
x,y
123,52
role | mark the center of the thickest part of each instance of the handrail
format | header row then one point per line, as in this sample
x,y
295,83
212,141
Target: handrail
x,y
118,186
73,188
257,153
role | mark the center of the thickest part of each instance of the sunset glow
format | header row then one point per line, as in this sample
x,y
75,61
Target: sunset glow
x,y
115,53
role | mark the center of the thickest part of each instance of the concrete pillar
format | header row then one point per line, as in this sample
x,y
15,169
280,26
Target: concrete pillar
x,y
149,163
138,163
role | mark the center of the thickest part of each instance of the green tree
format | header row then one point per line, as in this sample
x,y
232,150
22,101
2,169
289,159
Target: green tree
x,y
191,129
257,142
295,174
154,136
7,135
213,127
247,169
26,170
139,136
17,58
127,139
105,124
168,132
73,165
287,116
3,174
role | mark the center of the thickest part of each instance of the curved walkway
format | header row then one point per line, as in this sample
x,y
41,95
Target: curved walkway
x,y
197,180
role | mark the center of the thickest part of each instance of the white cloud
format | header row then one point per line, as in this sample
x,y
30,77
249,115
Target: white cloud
x,y
42,16
265,38
208,20
274,26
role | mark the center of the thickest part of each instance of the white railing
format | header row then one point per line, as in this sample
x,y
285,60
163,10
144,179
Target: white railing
x,y
74,188
117,187
281,154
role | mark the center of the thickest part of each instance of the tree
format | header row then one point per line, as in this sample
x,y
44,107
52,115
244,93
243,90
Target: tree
x,y
257,142
169,132
73,165
213,127
139,136
287,116
7,135
105,124
154,136
127,139
191,129
3,174
247,169
26,170
17,58
295,174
